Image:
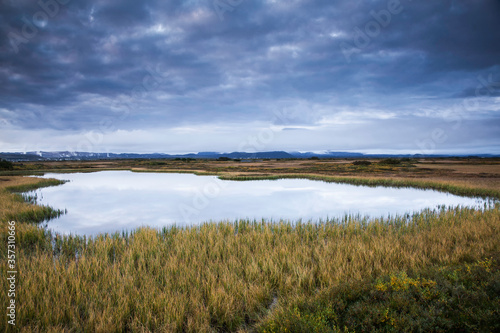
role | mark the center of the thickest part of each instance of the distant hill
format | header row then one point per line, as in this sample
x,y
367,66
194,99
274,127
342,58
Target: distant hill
x,y
79,156
327,155
21,157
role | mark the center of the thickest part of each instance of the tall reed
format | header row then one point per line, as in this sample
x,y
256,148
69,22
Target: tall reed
x,y
227,276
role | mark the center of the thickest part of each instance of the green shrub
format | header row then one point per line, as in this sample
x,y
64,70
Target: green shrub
x,y
362,163
6,165
463,297
390,161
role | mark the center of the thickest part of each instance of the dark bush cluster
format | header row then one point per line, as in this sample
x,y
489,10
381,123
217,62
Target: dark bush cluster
x,y
6,165
362,163
390,161
184,159
157,163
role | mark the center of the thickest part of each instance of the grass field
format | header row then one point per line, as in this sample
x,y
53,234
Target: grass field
x,y
434,271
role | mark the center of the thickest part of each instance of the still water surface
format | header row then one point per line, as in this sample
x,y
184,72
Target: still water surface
x,y
111,201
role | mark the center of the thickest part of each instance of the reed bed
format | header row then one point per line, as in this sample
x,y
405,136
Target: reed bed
x,y
240,275
13,206
227,276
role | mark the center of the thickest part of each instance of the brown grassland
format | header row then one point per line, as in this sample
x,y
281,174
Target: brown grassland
x,y
436,271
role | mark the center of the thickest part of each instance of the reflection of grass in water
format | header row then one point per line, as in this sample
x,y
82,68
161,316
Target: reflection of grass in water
x,y
36,214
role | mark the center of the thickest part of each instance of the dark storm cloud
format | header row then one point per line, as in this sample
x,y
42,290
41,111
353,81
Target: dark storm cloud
x,y
217,65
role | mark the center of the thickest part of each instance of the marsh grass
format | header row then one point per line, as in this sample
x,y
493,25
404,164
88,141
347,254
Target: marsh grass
x,y
449,187
225,276
251,275
43,170
17,188
20,207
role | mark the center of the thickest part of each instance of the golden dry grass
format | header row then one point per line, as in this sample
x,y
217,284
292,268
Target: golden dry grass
x,y
225,276
220,277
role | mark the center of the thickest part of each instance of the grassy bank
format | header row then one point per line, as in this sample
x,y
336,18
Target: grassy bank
x,y
13,206
437,267
449,187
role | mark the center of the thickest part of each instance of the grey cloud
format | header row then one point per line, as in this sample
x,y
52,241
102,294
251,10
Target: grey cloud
x,y
92,55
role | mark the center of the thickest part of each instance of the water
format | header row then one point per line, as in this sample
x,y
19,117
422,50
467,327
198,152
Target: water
x,y
111,201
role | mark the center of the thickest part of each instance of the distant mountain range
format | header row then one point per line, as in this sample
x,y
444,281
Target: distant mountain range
x,y
78,156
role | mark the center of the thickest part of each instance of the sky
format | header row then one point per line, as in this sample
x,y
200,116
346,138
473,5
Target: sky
x,y
178,76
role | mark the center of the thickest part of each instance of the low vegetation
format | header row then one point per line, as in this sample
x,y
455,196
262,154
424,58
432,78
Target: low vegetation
x,y
6,165
452,298
13,205
390,161
437,270
363,163
449,187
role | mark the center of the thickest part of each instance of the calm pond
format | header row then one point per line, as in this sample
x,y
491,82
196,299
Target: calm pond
x,y
111,201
